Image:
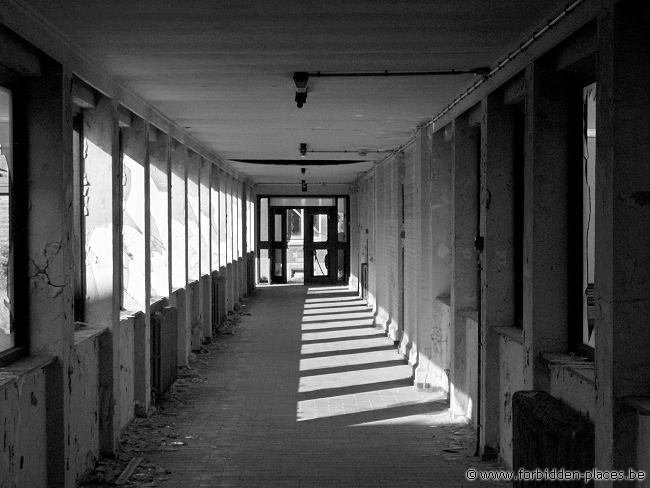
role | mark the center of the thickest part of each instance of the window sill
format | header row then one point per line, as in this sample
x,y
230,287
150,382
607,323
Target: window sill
x,y
513,333
577,364
22,367
84,332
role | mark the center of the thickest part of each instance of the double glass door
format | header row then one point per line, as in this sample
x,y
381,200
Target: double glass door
x,y
317,226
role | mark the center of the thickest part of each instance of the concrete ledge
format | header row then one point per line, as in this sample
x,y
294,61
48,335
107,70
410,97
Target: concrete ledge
x,y
84,332
578,365
25,366
513,333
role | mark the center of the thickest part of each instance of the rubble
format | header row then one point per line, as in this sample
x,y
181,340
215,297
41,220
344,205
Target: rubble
x,y
157,432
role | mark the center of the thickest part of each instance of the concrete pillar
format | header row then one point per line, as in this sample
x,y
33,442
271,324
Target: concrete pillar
x,y
244,238
353,283
464,259
396,244
205,272
135,263
193,310
440,253
426,367
102,204
44,241
622,273
412,258
546,220
178,246
497,267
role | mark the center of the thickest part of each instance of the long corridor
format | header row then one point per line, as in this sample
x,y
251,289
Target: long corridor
x,y
308,393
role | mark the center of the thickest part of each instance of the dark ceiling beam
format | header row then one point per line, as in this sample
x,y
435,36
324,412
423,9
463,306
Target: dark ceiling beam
x,y
302,162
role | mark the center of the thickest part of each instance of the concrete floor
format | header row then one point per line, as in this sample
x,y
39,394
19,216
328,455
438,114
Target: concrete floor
x,y
307,393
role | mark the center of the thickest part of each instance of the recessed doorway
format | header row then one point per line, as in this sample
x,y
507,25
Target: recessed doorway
x,y
303,240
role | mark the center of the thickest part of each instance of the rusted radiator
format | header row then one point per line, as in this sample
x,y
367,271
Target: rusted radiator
x,y
164,356
218,300
546,433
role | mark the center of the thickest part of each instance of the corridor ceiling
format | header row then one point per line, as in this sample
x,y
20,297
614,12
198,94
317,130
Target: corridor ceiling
x,y
223,69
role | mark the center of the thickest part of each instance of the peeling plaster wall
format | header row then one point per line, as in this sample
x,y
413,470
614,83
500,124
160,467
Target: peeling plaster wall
x,y
23,404
575,386
83,377
127,371
440,343
98,146
511,379
464,396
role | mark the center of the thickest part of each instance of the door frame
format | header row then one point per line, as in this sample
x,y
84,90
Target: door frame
x,y
275,245
330,245
271,246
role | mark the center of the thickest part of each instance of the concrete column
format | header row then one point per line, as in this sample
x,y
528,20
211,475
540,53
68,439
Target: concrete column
x,y
45,243
622,220
464,259
193,310
426,368
205,272
440,254
354,240
136,265
244,239
102,260
397,245
497,267
546,216
178,246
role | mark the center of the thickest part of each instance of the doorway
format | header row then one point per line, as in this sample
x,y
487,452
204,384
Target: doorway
x,y
306,240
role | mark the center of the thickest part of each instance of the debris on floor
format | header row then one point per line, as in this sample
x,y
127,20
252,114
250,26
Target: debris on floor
x,y
158,432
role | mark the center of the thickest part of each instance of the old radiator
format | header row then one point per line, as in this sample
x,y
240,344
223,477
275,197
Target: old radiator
x,y
549,434
164,356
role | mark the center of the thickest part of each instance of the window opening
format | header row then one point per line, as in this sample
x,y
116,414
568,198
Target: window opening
x,y
518,210
7,336
588,212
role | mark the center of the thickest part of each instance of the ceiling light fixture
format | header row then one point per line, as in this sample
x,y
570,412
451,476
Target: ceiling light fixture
x,y
360,152
300,79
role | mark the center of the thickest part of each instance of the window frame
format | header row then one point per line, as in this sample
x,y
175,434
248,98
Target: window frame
x,y
18,205
580,79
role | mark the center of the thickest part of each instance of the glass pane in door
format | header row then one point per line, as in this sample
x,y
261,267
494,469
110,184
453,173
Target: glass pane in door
x,y
277,226
277,262
320,228
320,262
